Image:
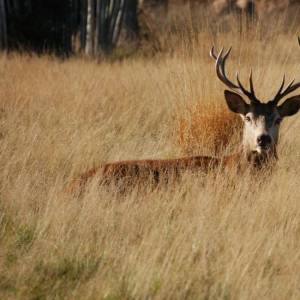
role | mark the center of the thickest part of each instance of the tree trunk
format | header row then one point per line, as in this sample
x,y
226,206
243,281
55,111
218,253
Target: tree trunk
x,y
116,22
3,26
131,19
109,22
90,28
104,22
98,26
67,28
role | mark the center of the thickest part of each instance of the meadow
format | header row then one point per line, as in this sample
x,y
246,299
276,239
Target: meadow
x,y
208,236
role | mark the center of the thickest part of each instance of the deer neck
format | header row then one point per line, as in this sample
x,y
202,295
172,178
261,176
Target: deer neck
x,y
258,160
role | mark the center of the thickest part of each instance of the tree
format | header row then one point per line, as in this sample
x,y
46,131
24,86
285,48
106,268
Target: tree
x,y
131,19
3,25
90,27
110,14
101,22
52,25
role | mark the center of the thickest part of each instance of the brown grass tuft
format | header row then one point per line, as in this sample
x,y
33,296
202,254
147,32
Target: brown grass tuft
x,y
207,126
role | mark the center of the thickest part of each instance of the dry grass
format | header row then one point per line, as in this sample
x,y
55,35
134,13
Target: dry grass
x,y
208,127
207,237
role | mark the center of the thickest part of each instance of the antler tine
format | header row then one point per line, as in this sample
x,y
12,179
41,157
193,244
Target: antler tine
x,y
289,89
212,53
282,85
289,86
240,84
250,94
227,54
277,96
220,70
251,83
223,62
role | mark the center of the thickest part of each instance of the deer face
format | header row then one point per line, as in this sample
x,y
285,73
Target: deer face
x,y
261,120
261,128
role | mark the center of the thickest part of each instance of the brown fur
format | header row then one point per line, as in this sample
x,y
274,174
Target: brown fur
x,y
158,171
155,171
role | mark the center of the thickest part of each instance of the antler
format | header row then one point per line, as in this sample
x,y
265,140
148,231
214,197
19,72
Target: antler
x,y
282,93
289,89
220,69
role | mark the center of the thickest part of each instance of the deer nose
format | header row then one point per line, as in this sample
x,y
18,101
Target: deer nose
x,y
264,140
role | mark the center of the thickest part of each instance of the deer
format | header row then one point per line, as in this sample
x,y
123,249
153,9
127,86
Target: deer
x,y
261,124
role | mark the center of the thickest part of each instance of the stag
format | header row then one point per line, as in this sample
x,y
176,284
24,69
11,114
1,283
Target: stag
x,y
257,150
261,120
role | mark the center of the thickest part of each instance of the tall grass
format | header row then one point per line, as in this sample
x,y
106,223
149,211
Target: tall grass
x,y
213,236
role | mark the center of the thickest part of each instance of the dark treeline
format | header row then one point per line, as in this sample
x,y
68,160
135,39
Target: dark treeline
x,y
61,26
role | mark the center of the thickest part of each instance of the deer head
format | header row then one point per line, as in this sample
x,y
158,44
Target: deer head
x,y
261,120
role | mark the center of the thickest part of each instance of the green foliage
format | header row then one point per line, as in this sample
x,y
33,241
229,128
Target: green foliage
x,y
59,277
24,237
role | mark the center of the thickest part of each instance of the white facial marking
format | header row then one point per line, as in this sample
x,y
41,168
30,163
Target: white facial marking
x,y
261,131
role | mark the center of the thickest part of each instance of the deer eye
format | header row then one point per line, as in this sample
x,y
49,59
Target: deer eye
x,y
278,121
248,119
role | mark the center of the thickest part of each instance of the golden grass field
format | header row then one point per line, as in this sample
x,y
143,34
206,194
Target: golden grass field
x,y
215,236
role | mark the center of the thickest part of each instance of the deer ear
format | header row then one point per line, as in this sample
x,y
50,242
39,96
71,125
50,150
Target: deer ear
x,y
289,107
236,103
